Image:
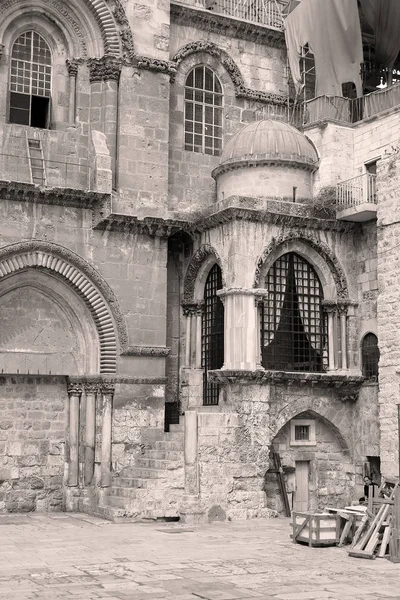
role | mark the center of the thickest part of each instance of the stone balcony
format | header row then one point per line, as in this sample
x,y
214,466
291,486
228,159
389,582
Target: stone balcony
x,y
356,199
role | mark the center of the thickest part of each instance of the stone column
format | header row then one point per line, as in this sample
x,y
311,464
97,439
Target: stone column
x,y
199,331
241,324
72,66
106,434
104,79
190,454
342,310
90,432
188,339
74,393
330,309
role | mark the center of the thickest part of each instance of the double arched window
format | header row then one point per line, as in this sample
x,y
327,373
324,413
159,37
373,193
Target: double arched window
x,y
212,333
203,111
293,323
370,356
30,81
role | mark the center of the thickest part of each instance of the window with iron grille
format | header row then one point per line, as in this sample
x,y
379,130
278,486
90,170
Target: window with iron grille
x,y
370,356
30,80
293,323
302,432
212,334
203,112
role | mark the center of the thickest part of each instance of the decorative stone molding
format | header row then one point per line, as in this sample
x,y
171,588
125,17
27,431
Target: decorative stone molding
x,y
193,308
107,68
125,33
86,282
193,270
238,292
156,351
72,67
223,24
1,50
75,389
99,380
26,192
262,161
309,237
107,25
156,64
241,91
348,386
152,226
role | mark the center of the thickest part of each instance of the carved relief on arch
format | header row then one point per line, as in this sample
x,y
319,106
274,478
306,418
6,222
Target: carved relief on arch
x,y
241,91
311,240
84,280
198,260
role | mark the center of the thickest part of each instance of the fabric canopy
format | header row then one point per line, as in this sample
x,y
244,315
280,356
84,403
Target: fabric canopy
x,y
384,18
332,30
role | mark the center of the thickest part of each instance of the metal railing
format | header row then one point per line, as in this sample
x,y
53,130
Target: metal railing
x,y
263,12
356,191
17,168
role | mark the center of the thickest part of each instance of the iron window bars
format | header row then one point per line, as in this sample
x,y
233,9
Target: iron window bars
x,y
203,112
212,334
293,324
370,356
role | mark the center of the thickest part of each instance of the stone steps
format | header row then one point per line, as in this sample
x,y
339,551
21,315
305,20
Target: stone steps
x,y
153,487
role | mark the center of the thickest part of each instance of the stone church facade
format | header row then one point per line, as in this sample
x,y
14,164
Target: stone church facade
x,y
179,297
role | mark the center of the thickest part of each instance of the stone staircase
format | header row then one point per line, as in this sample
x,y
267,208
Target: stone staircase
x,y
152,488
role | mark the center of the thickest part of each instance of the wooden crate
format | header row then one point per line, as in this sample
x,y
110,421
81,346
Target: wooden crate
x,y
316,529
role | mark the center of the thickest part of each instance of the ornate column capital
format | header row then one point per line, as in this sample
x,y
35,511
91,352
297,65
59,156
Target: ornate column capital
x,y
193,308
107,388
329,306
91,388
75,389
107,68
72,67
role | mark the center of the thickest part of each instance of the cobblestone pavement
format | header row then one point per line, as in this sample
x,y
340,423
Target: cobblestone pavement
x,y
68,556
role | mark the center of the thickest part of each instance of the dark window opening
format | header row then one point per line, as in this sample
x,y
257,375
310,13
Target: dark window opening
x,y
302,432
293,323
212,334
30,81
370,357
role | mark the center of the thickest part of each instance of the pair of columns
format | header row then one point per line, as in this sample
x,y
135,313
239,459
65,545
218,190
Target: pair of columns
x,y
85,402
242,330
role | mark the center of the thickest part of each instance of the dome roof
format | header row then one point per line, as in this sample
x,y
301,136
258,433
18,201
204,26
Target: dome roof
x,y
268,140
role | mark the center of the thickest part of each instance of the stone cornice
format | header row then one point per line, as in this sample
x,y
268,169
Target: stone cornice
x,y
57,196
347,385
148,351
114,379
152,226
261,161
198,17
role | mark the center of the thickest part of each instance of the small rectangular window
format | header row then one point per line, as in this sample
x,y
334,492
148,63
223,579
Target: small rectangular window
x,y
302,432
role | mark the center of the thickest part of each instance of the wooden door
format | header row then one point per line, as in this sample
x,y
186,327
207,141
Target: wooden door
x,y
300,503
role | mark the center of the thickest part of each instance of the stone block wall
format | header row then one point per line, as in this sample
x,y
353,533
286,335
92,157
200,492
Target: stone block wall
x,y
32,443
373,137
388,309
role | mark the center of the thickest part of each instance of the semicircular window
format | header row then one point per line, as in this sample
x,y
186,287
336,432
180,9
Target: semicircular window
x,y
293,324
370,356
30,80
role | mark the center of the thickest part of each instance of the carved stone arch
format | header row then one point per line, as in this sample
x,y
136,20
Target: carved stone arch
x,y
324,412
84,280
205,257
241,91
89,26
277,247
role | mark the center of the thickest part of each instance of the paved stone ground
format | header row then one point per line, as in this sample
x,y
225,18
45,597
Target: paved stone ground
x,y
70,556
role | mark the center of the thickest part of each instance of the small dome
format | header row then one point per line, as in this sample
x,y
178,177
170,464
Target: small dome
x,y
268,140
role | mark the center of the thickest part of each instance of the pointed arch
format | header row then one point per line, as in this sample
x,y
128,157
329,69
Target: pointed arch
x,y
203,257
292,241
84,280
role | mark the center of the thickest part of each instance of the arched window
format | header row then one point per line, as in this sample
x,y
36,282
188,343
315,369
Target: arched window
x,y
203,111
212,333
293,324
370,356
30,81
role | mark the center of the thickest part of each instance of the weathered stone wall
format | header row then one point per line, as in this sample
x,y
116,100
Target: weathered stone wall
x,y
388,308
373,137
32,439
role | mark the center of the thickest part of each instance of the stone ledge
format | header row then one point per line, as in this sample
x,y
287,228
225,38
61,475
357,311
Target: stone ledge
x,y
156,351
348,385
112,379
57,196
